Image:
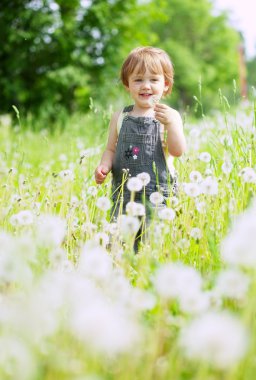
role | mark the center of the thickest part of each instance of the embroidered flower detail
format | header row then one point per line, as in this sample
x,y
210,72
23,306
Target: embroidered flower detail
x,y
135,150
134,157
128,153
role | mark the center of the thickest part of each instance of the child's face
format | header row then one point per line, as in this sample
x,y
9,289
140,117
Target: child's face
x,y
143,87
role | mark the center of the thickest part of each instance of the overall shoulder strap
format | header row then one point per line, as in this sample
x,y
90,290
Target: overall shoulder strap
x,y
120,121
121,117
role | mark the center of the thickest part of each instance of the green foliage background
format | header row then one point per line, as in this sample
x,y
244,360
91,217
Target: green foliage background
x,y
55,55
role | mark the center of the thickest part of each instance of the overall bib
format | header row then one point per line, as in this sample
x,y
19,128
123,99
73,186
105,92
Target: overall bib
x,y
139,149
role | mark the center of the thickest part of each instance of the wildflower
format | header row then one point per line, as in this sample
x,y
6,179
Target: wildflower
x,y
173,280
174,201
154,99
92,190
135,209
23,218
50,230
67,175
232,283
215,338
128,225
105,327
227,167
195,176
194,301
17,358
208,172
209,186
13,266
196,233
112,228
94,262
134,184
205,157
101,238
166,213
248,175
200,206
191,189
57,256
103,203
144,177
156,198
183,244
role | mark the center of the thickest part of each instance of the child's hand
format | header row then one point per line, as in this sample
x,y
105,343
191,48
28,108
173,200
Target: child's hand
x,y
101,174
164,114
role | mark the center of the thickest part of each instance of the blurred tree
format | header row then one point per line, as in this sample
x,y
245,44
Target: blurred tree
x,y
251,72
203,48
55,54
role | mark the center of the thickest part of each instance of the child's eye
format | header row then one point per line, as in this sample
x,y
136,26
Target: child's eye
x,y
154,80
138,80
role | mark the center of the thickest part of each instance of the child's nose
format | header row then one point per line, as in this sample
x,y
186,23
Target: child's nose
x,y
146,84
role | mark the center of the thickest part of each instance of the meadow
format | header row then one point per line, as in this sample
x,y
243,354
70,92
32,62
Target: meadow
x,y
77,303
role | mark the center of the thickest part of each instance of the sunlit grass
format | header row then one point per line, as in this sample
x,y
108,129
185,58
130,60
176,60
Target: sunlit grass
x,y
98,310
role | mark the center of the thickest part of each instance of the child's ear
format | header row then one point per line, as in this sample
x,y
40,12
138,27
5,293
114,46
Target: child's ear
x,y
166,87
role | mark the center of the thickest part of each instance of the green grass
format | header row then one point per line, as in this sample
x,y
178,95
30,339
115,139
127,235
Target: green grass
x,y
31,173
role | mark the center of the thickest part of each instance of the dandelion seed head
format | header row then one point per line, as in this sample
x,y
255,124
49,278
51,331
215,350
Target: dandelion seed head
x,y
205,157
196,233
192,189
144,177
166,213
134,184
195,176
218,339
135,209
156,198
232,283
103,203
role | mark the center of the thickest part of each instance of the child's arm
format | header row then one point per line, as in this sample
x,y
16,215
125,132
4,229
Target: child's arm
x,y
106,161
173,125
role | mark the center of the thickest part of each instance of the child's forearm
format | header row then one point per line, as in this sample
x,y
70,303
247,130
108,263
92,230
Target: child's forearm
x,y
107,159
176,142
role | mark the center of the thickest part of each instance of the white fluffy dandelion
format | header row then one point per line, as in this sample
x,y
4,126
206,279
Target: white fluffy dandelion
x,y
103,203
209,186
192,189
205,157
135,209
232,283
134,184
227,167
166,213
218,339
50,230
22,218
144,177
156,198
173,280
195,176
248,175
196,233
238,247
67,175
154,99
128,225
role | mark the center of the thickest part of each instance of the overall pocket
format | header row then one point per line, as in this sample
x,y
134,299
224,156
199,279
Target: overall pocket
x,y
137,149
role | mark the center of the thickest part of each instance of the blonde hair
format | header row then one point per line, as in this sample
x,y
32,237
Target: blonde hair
x,y
148,58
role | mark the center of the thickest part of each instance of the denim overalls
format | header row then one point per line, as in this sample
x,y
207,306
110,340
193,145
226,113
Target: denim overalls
x,y
139,149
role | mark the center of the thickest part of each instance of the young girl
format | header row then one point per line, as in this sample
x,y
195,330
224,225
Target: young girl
x,y
144,136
